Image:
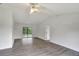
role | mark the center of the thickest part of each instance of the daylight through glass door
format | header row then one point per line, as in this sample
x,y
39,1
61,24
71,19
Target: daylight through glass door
x,y
27,32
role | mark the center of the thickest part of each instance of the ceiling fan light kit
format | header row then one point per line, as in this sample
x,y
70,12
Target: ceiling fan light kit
x,y
34,8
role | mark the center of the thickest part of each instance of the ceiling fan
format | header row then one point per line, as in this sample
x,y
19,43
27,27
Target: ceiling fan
x,y
35,7
39,8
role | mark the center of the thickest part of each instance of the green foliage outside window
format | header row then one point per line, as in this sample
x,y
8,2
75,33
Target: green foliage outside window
x,y
27,30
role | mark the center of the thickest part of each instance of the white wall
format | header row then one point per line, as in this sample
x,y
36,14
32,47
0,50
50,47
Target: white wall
x,y
18,27
5,28
64,30
40,31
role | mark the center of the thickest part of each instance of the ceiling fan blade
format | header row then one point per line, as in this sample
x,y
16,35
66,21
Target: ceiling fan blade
x,y
46,9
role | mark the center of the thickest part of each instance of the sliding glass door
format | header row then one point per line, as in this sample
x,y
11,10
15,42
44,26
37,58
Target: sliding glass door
x,y
27,32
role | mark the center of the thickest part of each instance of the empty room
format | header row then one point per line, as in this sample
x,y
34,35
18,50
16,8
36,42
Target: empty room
x,y
39,29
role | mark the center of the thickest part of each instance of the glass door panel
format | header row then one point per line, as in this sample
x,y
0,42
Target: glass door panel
x,y
27,32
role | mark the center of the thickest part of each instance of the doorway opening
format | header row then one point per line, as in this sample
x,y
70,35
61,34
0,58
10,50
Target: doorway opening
x,y
27,35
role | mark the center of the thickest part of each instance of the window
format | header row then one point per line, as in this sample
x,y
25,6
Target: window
x,y
27,31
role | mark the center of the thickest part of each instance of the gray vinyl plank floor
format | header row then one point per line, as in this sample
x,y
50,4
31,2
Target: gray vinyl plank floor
x,y
37,47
